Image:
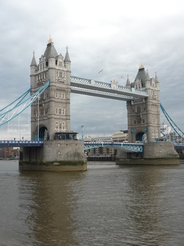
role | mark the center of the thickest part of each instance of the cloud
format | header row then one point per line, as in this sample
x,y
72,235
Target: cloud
x,y
100,35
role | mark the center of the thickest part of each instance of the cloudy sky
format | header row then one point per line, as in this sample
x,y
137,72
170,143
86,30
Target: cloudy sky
x,y
116,36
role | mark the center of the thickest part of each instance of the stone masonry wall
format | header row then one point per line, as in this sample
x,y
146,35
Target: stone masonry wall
x,y
160,150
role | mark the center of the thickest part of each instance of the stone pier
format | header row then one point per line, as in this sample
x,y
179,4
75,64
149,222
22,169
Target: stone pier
x,y
157,153
56,155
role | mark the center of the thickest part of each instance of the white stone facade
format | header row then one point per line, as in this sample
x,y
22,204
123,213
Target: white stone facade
x,y
54,103
144,114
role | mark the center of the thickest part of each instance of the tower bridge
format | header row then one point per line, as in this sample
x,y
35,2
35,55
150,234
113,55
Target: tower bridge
x,y
50,109
142,97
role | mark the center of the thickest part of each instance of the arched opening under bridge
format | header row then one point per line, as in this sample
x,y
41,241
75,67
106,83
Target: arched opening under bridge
x,y
42,133
139,136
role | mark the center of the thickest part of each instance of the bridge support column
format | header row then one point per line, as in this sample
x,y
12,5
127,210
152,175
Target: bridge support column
x,y
158,153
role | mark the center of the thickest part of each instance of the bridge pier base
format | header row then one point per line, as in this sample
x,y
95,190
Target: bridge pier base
x,y
157,153
56,155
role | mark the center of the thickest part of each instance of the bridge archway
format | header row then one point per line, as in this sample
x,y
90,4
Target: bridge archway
x,y
42,133
139,136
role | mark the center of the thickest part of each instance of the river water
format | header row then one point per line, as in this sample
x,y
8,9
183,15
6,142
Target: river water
x,y
106,205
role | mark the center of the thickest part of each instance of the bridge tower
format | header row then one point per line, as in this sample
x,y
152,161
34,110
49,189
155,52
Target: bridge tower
x,y
51,113
144,114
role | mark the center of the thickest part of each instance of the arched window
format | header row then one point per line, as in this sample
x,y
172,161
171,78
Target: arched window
x,y
63,125
138,109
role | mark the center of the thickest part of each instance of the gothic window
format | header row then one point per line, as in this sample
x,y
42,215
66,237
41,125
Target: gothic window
x,y
57,125
63,111
56,95
134,122
56,110
59,111
138,109
63,95
63,125
143,121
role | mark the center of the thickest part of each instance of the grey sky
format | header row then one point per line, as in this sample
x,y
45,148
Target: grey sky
x,y
117,37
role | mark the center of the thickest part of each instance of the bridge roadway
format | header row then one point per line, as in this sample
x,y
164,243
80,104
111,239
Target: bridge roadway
x,y
129,147
20,143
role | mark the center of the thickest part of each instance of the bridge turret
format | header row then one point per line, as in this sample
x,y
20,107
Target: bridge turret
x,y
67,60
33,68
144,114
147,80
128,82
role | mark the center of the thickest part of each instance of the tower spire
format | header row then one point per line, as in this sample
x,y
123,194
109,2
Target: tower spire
x,y
33,62
67,58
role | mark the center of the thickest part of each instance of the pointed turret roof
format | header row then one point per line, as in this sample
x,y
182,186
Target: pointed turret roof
x,y
128,81
156,78
142,75
67,58
50,51
147,76
33,62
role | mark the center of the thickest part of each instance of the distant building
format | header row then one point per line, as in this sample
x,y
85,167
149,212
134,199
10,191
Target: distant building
x,y
120,136
9,152
164,129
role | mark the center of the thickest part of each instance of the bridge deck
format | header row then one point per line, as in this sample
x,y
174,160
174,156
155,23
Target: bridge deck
x,y
23,143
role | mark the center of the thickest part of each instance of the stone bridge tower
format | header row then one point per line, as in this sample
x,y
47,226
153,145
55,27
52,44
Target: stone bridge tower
x,y
51,113
144,114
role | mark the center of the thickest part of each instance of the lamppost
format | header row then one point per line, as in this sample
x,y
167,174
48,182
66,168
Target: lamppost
x,y
82,132
38,118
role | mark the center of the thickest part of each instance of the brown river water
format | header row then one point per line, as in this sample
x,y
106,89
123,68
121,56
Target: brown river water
x,y
106,205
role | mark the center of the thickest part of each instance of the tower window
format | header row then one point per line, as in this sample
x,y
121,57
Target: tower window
x,y
138,109
63,125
